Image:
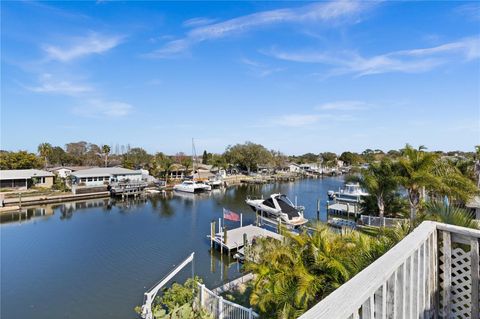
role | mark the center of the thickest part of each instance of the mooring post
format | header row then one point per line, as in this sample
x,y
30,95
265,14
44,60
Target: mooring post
x,y
212,233
279,225
318,209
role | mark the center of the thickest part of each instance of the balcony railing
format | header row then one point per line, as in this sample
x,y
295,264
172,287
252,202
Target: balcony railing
x,y
431,273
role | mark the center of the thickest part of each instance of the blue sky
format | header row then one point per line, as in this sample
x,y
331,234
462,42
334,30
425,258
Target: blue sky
x,y
295,76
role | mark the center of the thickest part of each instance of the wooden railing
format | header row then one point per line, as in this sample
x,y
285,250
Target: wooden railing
x,y
431,273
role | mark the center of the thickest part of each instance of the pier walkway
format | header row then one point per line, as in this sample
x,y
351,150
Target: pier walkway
x,y
235,238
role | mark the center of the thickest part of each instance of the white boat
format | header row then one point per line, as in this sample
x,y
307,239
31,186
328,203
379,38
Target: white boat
x,y
279,206
192,187
351,193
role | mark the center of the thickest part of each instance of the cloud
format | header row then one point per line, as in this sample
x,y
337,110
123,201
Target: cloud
x,y
405,61
296,120
196,22
471,11
260,69
344,106
49,84
327,12
97,108
79,47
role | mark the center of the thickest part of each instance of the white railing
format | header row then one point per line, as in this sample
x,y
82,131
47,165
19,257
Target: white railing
x,y
220,308
381,221
431,273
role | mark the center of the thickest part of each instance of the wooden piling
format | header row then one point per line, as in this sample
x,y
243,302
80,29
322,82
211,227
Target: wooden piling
x,y
318,209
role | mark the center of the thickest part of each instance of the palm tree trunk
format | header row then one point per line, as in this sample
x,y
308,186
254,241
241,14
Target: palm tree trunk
x,y
381,206
414,199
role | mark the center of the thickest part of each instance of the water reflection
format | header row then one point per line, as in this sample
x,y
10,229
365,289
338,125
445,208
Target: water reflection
x,y
95,258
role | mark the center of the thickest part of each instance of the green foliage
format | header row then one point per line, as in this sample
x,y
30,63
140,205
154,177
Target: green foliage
x,y
20,160
380,182
248,155
178,294
59,184
454,215
136,158
351,158
293,275
176,302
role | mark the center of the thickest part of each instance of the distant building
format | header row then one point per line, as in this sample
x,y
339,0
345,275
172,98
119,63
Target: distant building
x,y
294,168
25,178
65,171
101,176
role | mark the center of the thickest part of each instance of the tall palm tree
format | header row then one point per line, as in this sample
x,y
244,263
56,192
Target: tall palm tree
x,y
415,173
45,150
106,151
380,181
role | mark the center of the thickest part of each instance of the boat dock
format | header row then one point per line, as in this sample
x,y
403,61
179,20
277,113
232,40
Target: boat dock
x,y
236,238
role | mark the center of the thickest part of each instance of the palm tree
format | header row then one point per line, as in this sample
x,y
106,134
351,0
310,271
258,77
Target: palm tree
x,y
448,214
106,151
45,150
415,173
291,276
379,180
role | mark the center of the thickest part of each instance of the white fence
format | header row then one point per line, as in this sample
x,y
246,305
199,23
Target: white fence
x,y
381,221
220,308
431,273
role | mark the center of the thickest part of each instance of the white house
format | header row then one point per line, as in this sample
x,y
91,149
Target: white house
x,y
294,168
100,176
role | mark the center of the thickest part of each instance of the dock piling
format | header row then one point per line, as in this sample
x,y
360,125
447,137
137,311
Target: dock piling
x,y
318,209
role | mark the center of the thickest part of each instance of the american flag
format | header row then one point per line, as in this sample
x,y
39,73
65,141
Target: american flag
x,y
229,215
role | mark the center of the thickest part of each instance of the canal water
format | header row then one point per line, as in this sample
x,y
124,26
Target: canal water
x,y
95,259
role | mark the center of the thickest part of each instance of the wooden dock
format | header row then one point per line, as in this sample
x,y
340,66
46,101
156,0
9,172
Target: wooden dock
x,y
236,238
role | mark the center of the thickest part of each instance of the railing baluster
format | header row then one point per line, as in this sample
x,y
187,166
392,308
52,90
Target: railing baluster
x,y
400,292
474,260
391,284
435,275
447,274
423,280
384,301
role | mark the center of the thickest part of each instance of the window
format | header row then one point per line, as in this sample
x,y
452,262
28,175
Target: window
x,y
83,179
90,179
269,203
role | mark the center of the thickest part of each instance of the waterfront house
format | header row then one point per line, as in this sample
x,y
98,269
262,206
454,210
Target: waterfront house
x,y
25,178
101,176
65,171
294,168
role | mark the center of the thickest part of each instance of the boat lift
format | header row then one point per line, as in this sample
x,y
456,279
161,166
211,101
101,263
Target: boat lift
x,y
152,292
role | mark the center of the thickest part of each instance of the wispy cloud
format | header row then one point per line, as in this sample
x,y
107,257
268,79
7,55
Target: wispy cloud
x,y
470,11
79,47
196,22
405,61
328,12
260,69
296,120
97,108
50,84
344,106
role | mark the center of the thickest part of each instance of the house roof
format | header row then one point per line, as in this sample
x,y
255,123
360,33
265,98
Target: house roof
x,y
105,171
71,168
23,174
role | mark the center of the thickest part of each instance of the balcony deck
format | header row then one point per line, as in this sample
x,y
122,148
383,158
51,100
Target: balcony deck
x,y
431,273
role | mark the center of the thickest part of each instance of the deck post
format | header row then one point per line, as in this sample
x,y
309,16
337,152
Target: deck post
x,y
474,260
220,308
202,295
447,273
212,233
318,209
250,313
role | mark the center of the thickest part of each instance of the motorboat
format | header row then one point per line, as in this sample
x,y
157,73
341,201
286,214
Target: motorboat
x,y
351,193
192,187
215,182
279,206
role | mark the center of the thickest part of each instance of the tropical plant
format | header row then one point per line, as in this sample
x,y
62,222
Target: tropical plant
x,y
45,150
415,173
442,212
380,182
322,261
106,152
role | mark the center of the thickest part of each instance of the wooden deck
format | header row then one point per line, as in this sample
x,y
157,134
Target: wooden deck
x,y
235,239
